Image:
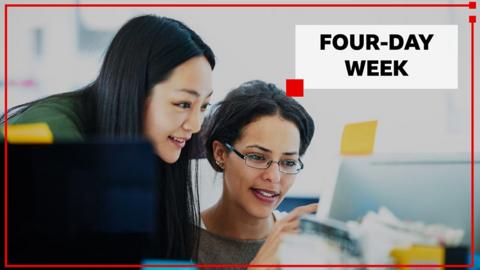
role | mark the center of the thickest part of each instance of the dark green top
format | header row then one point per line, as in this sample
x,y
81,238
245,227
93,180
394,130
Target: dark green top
x,y
61,115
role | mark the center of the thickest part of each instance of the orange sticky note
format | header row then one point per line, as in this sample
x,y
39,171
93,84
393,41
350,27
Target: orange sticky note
x,y
358,138
29,133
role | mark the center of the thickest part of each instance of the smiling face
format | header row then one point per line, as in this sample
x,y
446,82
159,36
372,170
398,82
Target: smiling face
x,y
259,191
174,110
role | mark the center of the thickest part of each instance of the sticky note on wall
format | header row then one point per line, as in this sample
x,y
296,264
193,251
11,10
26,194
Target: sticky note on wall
x,y
358,138
29,133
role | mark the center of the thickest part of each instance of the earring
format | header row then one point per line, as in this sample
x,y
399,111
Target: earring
x,y
220,164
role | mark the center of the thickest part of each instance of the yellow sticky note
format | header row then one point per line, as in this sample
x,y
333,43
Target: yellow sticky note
x,y
418,255
358,138
29,133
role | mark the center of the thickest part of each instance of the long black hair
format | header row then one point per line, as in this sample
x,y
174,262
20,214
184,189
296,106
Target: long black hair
x,y
143,53
245,104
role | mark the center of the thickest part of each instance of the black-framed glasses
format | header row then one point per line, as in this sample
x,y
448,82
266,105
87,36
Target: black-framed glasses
x,y
288,166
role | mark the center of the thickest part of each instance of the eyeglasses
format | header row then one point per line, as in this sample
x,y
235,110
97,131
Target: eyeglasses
x,y
288,166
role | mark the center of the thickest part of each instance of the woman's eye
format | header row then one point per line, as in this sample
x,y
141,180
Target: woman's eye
x,y
183,105
289,163
255,157
205,106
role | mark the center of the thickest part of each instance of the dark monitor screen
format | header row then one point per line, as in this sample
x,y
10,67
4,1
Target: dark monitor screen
x,y
81,203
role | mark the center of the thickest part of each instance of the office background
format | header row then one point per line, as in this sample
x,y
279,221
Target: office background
x,y
54,50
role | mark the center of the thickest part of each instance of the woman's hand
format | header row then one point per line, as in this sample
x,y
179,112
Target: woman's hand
x,y
267,254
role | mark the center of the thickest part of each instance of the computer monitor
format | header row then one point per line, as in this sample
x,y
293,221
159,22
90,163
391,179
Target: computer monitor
x,y
434,188
82,203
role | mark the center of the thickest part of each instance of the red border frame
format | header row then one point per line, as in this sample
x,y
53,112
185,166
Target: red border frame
x,y
472,20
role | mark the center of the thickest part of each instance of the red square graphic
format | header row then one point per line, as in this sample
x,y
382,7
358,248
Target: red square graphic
x,y
295,87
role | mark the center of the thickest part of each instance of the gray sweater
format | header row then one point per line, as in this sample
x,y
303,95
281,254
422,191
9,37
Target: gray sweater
x,y
215,249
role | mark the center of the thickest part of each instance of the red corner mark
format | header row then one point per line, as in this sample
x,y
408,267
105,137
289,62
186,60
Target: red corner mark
x,y
472,19
472,5
295,87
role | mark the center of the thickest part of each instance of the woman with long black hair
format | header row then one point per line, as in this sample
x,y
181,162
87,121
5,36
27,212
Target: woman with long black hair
x,y
154,83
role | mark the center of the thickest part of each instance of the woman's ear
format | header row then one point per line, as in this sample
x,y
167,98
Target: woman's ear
x,y
219,153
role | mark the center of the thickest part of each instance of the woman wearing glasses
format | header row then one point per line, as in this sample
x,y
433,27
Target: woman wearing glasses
x,y
255,137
